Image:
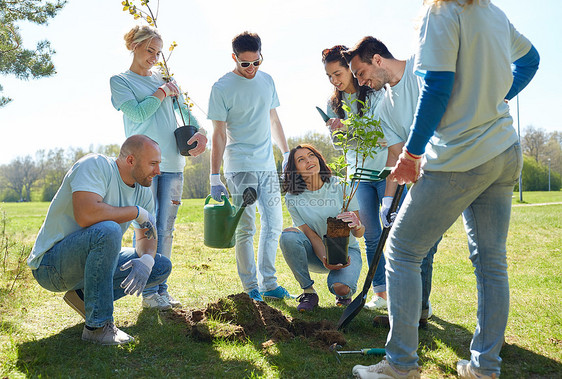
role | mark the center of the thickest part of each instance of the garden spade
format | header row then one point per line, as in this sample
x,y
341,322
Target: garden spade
x,y
370,351
357,304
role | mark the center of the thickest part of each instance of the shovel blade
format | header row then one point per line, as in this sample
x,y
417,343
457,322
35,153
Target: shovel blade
x,y
351,311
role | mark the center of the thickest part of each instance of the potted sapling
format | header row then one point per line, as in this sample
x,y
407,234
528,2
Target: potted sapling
x,y
360,136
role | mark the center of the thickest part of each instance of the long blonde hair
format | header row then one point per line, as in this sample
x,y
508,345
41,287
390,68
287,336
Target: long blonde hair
x,y
139,34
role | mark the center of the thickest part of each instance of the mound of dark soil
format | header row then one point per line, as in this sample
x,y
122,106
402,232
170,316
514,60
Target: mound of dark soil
x,y
238,317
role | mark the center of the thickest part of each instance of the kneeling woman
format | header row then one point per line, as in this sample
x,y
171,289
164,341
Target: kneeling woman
x,y
313,195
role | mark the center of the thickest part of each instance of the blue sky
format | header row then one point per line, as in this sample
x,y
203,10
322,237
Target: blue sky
x,y
73,108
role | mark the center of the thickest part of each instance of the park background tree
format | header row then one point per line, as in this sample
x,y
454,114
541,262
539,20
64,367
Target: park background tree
x,y
25,178
14,58
21,174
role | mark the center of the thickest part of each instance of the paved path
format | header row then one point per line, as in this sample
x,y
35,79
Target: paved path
x,y
535,205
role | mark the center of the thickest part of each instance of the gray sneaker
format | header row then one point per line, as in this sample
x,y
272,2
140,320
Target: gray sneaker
x,y
76,301
156,301
107,335
465,371
173,302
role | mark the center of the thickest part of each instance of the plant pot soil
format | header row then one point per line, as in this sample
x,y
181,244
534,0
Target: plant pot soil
x,y
337,228
336,241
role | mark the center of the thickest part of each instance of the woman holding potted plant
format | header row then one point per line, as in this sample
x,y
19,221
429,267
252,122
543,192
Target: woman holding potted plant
x,y
359,99
148,102
313,195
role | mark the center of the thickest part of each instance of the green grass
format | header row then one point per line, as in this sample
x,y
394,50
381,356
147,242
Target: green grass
x,y
537,197
40,334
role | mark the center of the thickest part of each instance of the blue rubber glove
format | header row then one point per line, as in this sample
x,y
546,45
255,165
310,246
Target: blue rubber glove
x,y
217,187
146,221
137,278
385,207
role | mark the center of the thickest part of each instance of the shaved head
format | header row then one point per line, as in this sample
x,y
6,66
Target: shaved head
x,y
135,145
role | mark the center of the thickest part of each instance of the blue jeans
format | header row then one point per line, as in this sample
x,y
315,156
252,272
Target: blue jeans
x,y
483,197
166,189
301,259
369,195
266,184
89,259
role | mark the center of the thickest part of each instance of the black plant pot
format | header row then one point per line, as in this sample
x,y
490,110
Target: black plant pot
x,y
336,250
184,134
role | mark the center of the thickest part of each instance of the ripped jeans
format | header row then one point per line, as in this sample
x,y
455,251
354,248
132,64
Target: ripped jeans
x,y
166,189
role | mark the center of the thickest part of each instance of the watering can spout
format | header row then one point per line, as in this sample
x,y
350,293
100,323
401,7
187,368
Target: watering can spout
x,y
233,224
221,220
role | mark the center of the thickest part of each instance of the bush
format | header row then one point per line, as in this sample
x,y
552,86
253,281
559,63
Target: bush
x,y
535,176
9,196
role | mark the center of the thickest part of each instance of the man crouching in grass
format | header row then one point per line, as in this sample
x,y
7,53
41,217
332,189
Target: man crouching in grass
x,y
78,248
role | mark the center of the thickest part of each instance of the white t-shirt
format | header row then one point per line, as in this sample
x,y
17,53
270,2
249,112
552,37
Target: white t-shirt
x,y
245,105
161,125
398,107
93,173
314,207
478,43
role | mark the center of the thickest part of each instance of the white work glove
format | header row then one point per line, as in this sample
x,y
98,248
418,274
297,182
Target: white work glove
x,y
170,89
217,187
146,221
285,160
385,208
137,278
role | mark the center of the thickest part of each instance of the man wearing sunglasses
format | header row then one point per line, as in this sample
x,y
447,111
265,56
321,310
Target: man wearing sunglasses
x,y
242,108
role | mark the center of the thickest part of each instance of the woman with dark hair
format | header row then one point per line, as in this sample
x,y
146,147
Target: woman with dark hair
x,y
313,195
369,194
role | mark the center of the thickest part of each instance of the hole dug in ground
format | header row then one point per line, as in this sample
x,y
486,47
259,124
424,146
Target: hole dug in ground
x,y
238,317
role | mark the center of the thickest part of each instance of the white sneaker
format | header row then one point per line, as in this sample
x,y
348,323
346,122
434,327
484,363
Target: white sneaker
x,y
109,334
465,371
383,370
173,302
376,302
156,301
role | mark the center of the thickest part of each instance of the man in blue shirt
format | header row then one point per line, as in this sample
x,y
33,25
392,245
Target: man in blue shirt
x,y
464,134
242,108
78,248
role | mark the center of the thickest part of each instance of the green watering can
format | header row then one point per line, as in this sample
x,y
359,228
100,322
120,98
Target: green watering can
x,y
220,220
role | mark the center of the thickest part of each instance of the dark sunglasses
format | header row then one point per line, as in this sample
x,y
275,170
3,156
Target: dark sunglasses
x,y
247,64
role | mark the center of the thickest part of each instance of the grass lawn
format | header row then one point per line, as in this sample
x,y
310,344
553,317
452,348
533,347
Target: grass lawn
x,y
40,334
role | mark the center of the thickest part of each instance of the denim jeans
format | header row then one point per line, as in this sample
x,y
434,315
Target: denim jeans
x,y
369,195
483,197
266,183
302,260
89,259
166,189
